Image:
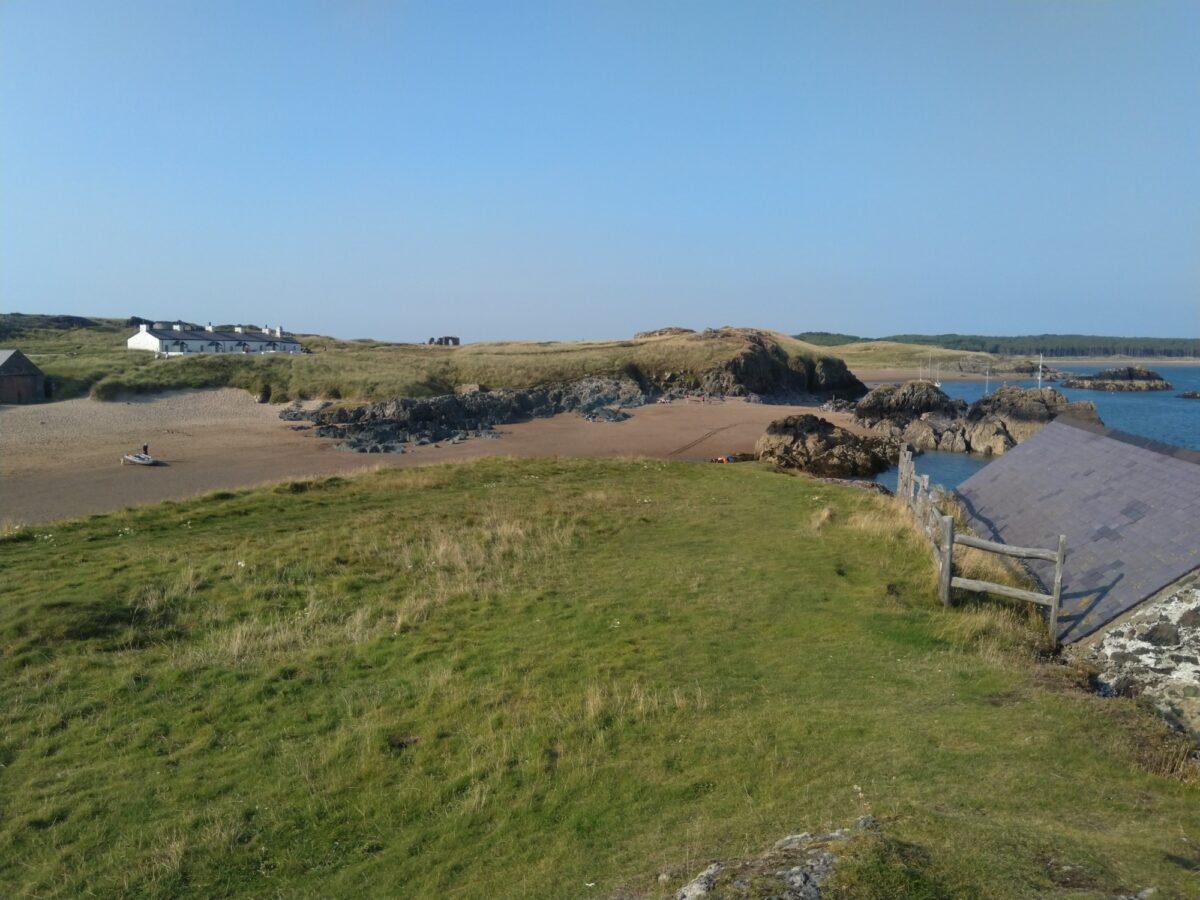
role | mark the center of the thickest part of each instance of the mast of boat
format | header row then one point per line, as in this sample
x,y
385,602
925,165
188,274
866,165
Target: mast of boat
x,y
987,379
1039,370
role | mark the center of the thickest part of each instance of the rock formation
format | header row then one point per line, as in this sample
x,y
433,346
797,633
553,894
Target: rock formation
x,y
813,445
1190,395
920,414
387,426
793,869
1124,378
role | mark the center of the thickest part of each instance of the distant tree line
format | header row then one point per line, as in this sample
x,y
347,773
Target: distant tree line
x,y
1029,345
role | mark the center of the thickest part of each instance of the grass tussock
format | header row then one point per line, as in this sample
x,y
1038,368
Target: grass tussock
x,y
326,690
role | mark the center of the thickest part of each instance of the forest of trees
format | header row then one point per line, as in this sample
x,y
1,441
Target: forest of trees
x,y
1030,345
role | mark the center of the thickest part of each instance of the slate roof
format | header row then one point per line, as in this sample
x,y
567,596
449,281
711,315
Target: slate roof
x,y
14,362
1130,509
199,334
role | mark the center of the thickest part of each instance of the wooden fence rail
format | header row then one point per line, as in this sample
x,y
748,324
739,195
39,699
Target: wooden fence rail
x,y
924,502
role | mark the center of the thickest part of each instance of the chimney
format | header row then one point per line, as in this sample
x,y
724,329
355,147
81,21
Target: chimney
x,y
177,327
143,327
208,327
239,329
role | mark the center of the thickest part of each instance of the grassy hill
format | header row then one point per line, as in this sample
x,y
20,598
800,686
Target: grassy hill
x,y
89,355
862,356
523,678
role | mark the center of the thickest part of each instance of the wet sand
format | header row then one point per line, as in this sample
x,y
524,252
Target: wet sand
x,y
61,460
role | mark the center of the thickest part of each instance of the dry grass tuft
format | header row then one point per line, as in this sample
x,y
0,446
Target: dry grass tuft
x,y
1002,634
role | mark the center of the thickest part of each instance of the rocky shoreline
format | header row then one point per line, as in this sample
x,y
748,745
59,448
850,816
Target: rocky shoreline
x,y
920,414
1122,378
390,425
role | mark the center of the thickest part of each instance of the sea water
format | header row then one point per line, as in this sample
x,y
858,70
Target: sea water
x,y
1158,415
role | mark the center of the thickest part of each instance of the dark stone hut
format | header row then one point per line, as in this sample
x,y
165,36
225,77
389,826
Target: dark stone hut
x,y
20,380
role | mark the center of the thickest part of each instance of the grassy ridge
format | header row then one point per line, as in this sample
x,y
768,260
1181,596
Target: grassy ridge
x,y
93,358
863,356
518,678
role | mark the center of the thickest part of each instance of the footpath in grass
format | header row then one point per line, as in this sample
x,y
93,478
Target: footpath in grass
x,y
523,678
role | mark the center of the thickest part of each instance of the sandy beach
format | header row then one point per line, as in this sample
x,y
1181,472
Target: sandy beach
x,y
60,460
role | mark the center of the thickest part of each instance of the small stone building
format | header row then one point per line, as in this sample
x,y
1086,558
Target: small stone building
x,y
1126,504
20,380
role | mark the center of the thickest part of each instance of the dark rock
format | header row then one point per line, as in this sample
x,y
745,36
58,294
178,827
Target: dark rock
x,y
1022,412
1164,634
814,445
1190,395
1190,619
1123,378
901,404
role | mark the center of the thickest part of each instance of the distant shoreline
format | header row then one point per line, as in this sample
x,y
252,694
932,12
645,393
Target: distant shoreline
x,y
874,376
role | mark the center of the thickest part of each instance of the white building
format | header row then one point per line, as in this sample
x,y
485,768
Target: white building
x,y
179,339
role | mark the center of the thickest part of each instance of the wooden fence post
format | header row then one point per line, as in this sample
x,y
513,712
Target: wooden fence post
x,y
947,558
1057,593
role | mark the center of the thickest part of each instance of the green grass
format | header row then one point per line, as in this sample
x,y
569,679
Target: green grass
x,y
866,355
611,669
93,359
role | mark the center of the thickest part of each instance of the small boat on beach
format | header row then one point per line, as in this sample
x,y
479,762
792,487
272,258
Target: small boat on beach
x,y
139,459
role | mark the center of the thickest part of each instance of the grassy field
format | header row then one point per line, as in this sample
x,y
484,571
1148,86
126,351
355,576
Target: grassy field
x,y
523,678
92,358
866,355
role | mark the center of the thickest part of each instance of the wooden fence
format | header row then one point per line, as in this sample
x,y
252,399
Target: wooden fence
x,y
925,504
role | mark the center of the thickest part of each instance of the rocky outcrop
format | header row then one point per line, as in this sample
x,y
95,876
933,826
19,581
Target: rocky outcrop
x,y
1155,654
794,869
899,404
763,367
1123,378
813,445
922,415
1190,395
388,426
1022,412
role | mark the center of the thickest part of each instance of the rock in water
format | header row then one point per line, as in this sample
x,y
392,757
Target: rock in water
x,y
925,417
902,403
1022,412
1123,378
820,448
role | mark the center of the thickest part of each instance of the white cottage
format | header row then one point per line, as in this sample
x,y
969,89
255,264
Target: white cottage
x,y
179,339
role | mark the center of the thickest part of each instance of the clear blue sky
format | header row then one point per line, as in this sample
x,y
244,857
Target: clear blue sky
x,y
572,169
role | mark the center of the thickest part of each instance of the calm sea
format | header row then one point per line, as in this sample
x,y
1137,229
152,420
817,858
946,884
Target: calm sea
x,y
1159,415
